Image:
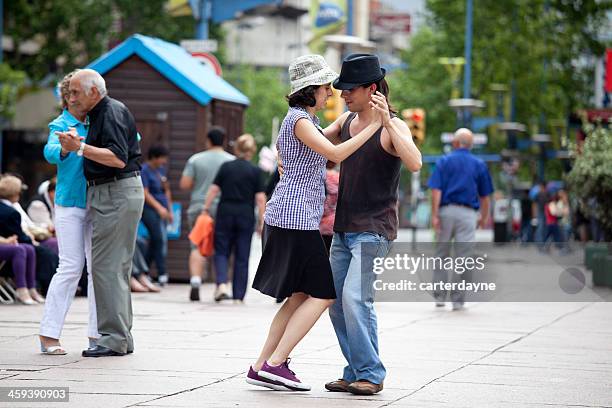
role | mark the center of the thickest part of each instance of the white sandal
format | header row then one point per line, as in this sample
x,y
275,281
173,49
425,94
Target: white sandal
x,y
53,350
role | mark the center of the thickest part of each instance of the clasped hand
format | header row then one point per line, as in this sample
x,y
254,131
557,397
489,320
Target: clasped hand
x,y
70,140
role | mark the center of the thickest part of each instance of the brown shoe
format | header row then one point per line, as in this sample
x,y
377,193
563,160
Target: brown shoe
x,y
339,385
363,387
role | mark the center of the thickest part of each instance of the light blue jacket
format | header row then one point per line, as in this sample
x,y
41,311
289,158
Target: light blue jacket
x,y
71,189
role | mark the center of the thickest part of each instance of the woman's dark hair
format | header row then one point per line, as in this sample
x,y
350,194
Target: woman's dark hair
x,y
383,87
304,97
156,151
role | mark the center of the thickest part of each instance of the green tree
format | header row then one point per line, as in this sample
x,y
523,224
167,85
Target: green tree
x,y
425,84
538,45
10,83
149,18
266,88
68,33
591,175
71,33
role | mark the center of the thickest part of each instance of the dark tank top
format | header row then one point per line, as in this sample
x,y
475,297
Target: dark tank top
x,y
368,190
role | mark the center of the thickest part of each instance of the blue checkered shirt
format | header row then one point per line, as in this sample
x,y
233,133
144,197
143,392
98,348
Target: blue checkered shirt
x,y
297,201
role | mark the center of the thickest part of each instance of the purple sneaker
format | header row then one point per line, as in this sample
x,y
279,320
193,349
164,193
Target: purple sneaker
x,y
283,375
253,378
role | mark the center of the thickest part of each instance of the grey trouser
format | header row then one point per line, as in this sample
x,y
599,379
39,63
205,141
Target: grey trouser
x,y
458,223
115,209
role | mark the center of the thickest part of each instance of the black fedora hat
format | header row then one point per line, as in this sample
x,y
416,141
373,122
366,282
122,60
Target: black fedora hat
x,y
359,69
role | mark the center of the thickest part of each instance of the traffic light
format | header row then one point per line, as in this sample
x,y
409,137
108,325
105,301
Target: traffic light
x,y
334,106
415,119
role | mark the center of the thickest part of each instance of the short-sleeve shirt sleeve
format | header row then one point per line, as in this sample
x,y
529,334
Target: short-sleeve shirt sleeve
x,y
220,175
435,181
146,177
189,170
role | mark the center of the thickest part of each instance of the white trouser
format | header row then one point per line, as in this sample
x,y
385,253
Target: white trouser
x,y
73,231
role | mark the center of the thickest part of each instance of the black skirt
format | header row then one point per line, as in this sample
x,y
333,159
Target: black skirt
x,y
294,261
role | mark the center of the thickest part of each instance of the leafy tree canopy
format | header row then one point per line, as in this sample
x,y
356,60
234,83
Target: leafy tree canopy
x,y
542,47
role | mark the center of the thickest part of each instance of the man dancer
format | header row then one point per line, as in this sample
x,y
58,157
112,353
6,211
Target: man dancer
x,y
116,198
366,213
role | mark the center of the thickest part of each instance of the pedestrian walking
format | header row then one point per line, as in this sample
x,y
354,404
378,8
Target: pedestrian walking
x,y
460,188
240,184
198,175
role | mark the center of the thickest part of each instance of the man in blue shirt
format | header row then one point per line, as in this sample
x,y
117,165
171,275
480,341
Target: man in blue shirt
x,y
460,187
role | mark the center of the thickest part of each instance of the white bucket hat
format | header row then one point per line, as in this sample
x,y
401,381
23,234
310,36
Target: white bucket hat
x,y
309,70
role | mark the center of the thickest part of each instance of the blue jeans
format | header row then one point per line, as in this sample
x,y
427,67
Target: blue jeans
x,y
352,314
233,232
158,239
553,231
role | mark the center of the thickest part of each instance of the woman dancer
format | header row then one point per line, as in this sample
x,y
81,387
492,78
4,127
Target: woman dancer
x,y
294,263
72,229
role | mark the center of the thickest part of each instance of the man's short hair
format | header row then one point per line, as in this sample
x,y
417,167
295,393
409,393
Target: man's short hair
x,y
91,79
464,137
156,151
216,135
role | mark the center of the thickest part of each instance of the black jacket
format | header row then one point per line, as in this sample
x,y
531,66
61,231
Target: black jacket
x,y
10,224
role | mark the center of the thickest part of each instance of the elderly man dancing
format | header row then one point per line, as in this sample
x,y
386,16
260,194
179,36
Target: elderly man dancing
x,y
116,197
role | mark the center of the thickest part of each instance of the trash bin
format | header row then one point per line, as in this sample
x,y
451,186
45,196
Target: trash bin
x,y
602,269
590,250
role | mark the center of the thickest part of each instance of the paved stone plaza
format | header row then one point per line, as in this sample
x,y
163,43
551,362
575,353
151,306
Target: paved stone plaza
x,y
196,355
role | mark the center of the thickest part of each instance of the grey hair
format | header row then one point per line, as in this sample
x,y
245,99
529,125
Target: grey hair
x,y
464,137
93,79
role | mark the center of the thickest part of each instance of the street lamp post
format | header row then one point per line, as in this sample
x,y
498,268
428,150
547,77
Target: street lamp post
x,y
511,163
202,14
467,73
541,139
466,105
340,44
464,108
453,66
